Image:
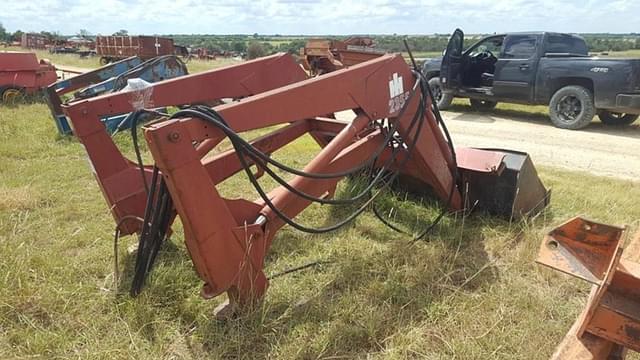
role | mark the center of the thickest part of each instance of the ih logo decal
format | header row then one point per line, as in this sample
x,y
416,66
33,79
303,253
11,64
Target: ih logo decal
x,y
397,96
395,86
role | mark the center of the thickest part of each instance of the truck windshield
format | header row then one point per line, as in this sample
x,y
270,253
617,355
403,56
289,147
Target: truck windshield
x,y
565,44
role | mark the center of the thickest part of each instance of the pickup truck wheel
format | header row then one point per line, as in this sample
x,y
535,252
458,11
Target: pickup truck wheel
x,y
482,105
614,118
572,108
443,98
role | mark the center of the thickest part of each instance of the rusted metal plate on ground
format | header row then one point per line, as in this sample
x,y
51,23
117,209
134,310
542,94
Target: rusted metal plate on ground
x,y
582,248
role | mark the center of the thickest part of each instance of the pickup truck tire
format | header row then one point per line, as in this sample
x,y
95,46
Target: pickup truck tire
x,y
482,105
572,107
443,98
614,118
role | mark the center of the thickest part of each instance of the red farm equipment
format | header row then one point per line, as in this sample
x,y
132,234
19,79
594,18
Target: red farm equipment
x,y
34,41
321,56
21,73
113,48
396,134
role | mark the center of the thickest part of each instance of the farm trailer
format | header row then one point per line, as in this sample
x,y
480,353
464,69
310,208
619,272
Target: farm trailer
x,y
21,73
34,41
113,48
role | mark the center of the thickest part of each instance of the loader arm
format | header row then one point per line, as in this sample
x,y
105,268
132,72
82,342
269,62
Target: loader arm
x,y
118,177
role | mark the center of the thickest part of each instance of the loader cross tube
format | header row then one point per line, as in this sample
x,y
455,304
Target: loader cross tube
x,y
118,177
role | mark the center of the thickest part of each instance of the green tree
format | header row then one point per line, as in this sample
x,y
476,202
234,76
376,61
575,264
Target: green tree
x,y
239,46
84,33
4,36
17,36
292,47
255,50
121,32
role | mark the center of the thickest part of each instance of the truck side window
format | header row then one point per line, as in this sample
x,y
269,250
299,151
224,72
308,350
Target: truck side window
x,y
494,45
519,47
565,44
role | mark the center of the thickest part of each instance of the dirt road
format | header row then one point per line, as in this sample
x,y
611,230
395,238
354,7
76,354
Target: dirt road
x,y
598,149
65,72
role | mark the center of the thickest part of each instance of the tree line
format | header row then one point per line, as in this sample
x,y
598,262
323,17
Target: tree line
x,y
269,44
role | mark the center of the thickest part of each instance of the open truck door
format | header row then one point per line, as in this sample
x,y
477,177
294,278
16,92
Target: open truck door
x,y
451,69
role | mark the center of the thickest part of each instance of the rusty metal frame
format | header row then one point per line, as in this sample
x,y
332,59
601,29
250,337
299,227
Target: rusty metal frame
x,y
610,322
118,177
228,239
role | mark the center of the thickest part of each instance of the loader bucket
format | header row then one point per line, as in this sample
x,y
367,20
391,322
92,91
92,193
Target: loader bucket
x,y
514,190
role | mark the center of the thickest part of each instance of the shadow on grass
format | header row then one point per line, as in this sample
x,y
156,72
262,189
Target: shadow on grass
x,y
169,255
366,295
378,285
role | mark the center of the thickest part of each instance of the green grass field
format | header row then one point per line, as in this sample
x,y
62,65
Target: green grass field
x,y
472,291
73,60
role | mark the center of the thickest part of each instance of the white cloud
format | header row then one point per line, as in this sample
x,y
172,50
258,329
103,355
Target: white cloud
x,y
319,17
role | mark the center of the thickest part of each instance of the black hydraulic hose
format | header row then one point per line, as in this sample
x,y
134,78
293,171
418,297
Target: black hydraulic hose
x,y
387,182
134,137
241,146
158,213
160,225
373,182
267,159
306,196
252,154
425,89
336,226
138,278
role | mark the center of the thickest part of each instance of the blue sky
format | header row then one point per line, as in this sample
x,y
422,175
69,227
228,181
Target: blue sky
x,y
319,16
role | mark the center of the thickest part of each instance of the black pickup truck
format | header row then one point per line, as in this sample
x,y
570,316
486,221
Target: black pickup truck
x,y
540,68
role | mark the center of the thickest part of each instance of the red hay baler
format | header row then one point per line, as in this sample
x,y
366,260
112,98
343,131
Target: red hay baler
x,y
21,73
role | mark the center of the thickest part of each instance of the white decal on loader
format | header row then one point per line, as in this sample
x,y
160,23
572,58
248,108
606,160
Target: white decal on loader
x,y
397,96
395,86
